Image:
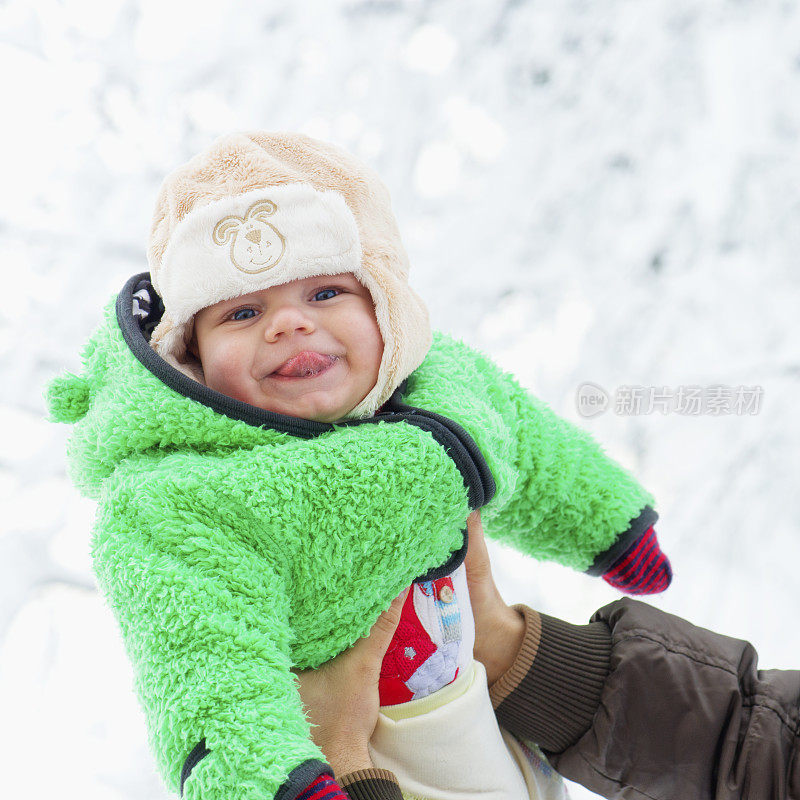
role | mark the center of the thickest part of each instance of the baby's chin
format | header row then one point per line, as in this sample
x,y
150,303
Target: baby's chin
x,y
327,418
314,412
310,410
312,416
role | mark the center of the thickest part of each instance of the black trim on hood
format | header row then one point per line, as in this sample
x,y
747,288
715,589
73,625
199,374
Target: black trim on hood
x,y
458,444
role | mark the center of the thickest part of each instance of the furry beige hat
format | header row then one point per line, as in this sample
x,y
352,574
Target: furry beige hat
x,y
258,209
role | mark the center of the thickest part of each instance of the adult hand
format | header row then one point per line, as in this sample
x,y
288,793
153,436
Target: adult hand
x,y
499,629
341,696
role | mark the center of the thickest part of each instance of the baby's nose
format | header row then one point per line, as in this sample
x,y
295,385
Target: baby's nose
x,y
287,319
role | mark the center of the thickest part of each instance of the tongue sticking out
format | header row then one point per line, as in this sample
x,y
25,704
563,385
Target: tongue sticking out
x,y
305,364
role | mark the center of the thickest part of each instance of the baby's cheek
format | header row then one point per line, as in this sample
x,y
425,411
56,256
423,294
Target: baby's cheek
x,y
226,371
368,335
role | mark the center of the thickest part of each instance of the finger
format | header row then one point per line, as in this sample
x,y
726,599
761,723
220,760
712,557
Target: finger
x,y
474,524
383,630
477,552
387,622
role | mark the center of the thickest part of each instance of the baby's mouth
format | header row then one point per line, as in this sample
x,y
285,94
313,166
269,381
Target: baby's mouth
x,y
306,365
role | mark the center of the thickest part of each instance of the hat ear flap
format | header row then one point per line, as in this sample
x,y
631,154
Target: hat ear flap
x,y
67,398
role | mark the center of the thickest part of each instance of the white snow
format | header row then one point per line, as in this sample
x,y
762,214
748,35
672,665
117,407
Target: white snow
x,y
597,192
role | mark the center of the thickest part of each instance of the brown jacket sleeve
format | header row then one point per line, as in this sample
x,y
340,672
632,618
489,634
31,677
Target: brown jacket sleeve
x,y
642,705
371,784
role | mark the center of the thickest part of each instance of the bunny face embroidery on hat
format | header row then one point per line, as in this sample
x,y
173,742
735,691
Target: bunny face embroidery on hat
x,y
256,245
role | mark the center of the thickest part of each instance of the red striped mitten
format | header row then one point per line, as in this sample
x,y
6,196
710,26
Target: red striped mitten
x,y
642,568
323,788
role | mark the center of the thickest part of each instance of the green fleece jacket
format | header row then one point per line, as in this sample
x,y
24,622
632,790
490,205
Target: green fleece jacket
x,y
233,544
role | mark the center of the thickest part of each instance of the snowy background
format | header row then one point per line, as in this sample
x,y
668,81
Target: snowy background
x,y
602,192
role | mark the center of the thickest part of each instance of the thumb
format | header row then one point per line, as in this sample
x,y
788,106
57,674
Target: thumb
x,y
477,560
383,630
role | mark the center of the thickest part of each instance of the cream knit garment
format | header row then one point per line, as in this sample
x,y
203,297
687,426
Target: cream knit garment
x,y
448,746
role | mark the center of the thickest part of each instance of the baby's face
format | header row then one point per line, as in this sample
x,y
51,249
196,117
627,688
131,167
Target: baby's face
x,y
243,342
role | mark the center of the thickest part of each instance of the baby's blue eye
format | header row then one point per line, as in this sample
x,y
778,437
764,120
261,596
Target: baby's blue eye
x,y
236,316
322,291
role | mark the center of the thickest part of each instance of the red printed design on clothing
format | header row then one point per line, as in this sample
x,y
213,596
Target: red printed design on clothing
x,y
424,653
408,650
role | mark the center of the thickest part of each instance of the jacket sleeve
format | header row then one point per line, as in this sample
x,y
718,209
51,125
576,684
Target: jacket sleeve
x,y
642,704
209,644
371,784
571,502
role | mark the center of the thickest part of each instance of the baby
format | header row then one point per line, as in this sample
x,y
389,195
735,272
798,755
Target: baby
x,y
280,444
